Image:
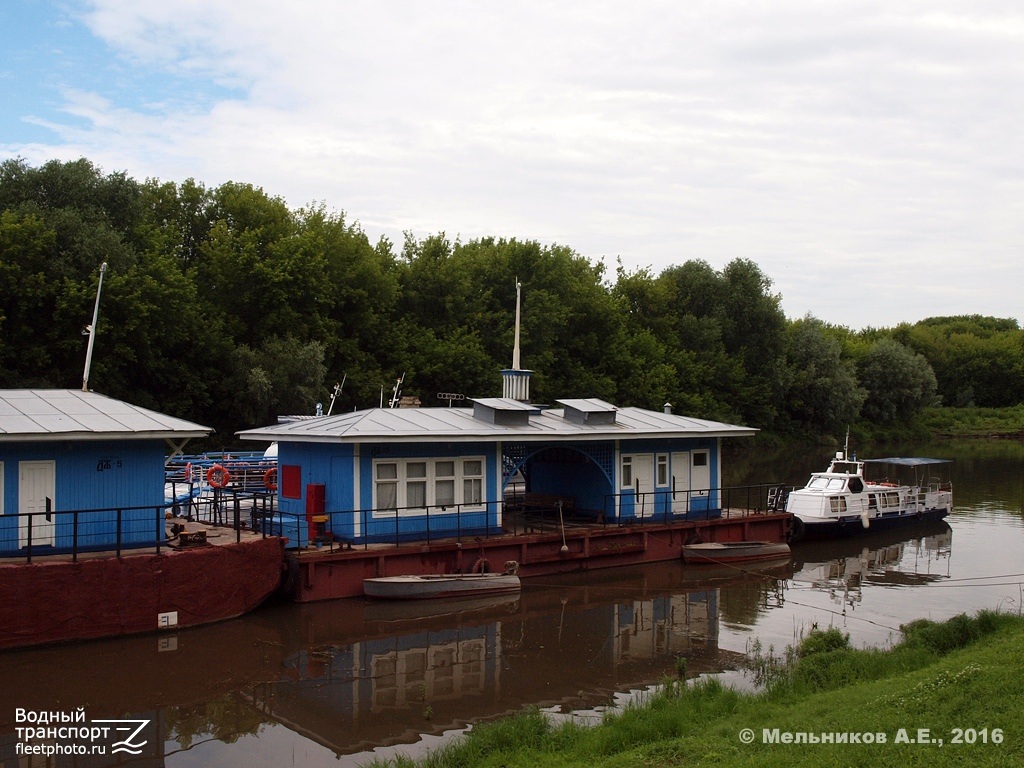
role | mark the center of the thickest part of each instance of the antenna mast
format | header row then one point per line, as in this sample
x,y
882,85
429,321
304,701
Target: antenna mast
x,y
337,391
515,343
90,330
396,393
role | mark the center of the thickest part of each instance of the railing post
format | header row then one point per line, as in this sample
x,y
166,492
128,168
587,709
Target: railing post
x,y
427,508
119,534
159,527
238,519
28,541
74,537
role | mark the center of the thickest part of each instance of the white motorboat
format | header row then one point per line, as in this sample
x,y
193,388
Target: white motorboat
x,y
842,501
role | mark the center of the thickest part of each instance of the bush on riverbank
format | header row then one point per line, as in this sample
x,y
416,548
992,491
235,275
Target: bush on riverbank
x,y
959,680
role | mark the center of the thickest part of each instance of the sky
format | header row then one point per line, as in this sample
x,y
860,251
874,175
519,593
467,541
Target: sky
x,y
868,156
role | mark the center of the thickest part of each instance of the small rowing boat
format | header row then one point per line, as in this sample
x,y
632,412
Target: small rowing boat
x,y
443,585
734,551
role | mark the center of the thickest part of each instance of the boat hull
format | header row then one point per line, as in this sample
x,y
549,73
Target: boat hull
x,y
61,601
818,530
734,552
432,587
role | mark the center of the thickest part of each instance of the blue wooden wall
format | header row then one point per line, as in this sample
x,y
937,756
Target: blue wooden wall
x,y
92,475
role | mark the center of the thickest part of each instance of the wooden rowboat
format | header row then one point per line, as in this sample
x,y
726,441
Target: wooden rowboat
x,y
442,585
734,551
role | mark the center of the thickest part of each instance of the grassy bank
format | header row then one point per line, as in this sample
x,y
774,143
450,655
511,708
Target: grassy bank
x,y
974,422
961,680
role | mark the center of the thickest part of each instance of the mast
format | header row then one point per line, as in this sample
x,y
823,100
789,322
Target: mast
x,y
90,330
515,343
516,381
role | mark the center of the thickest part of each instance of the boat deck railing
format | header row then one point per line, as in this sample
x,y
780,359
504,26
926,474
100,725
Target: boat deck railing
x,y
116,531
522,513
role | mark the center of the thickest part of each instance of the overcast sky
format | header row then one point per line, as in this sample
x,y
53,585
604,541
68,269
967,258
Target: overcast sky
x,y
867,155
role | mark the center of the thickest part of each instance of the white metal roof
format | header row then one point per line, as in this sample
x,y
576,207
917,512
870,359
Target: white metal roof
x,y
588,405
504,404
458,425
34,415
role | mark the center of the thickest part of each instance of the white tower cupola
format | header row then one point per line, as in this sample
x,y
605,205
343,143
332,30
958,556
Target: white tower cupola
x,y
515,381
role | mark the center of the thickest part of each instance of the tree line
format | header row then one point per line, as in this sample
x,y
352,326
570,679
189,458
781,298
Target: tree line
x,y
226,307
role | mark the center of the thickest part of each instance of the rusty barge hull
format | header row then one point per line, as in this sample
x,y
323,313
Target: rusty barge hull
x,y
326,575
61,601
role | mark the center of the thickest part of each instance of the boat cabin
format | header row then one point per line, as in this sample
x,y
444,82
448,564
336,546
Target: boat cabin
x,y
81,471
387,474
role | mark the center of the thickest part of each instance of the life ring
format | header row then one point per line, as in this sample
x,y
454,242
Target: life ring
x,y
482,565
270,479
188,472
217,476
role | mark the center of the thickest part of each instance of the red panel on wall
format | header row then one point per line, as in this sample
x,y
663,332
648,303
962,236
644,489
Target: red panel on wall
x,y
291,481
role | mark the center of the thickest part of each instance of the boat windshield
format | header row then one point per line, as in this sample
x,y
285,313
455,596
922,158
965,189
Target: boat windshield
x,y
845,467
821,482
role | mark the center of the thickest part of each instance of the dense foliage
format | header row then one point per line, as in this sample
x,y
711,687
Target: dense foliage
x,y
225,307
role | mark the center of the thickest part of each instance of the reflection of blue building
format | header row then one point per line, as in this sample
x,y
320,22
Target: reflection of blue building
x,y
387,474
370,676
352,695
80,470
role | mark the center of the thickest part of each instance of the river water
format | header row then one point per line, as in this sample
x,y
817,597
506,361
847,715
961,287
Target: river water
x,y
343,681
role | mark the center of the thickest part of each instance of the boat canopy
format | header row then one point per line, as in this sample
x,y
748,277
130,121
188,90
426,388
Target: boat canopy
x,y
908,462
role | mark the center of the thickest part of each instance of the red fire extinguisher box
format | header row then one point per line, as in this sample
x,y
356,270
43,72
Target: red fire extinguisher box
x,y
316,509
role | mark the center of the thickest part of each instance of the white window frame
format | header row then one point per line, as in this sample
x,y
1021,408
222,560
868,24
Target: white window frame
x,y
462,478
626,472
661,472
459,478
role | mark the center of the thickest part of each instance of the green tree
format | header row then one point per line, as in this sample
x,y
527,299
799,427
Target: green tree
x,y
283,376
899,382
977,360
823,394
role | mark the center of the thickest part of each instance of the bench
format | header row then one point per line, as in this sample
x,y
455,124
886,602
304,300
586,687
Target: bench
x,y
545,501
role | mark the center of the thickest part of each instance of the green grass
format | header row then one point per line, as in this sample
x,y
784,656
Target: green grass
x,y
965,673
974,422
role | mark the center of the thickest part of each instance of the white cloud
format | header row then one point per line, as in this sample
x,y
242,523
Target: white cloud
x,y
862,153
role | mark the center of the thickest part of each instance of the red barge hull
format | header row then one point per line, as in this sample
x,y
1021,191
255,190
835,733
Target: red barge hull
x,y
329,574
60,601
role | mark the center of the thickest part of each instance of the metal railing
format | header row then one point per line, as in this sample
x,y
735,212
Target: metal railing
x,y
666,505
116,529
393,525
404,525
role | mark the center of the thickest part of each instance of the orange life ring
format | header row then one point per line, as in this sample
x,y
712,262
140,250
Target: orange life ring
x,y
188,472
217,476
482,566
270,479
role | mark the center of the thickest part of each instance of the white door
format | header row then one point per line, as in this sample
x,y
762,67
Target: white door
x,y
643,484
700,476
680,482
36,486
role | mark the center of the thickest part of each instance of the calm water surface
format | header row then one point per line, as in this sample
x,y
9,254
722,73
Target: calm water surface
x,y
336,683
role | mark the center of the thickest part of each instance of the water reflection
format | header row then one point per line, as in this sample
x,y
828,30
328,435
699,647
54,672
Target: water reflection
x,y
359,670
843,569
354,674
